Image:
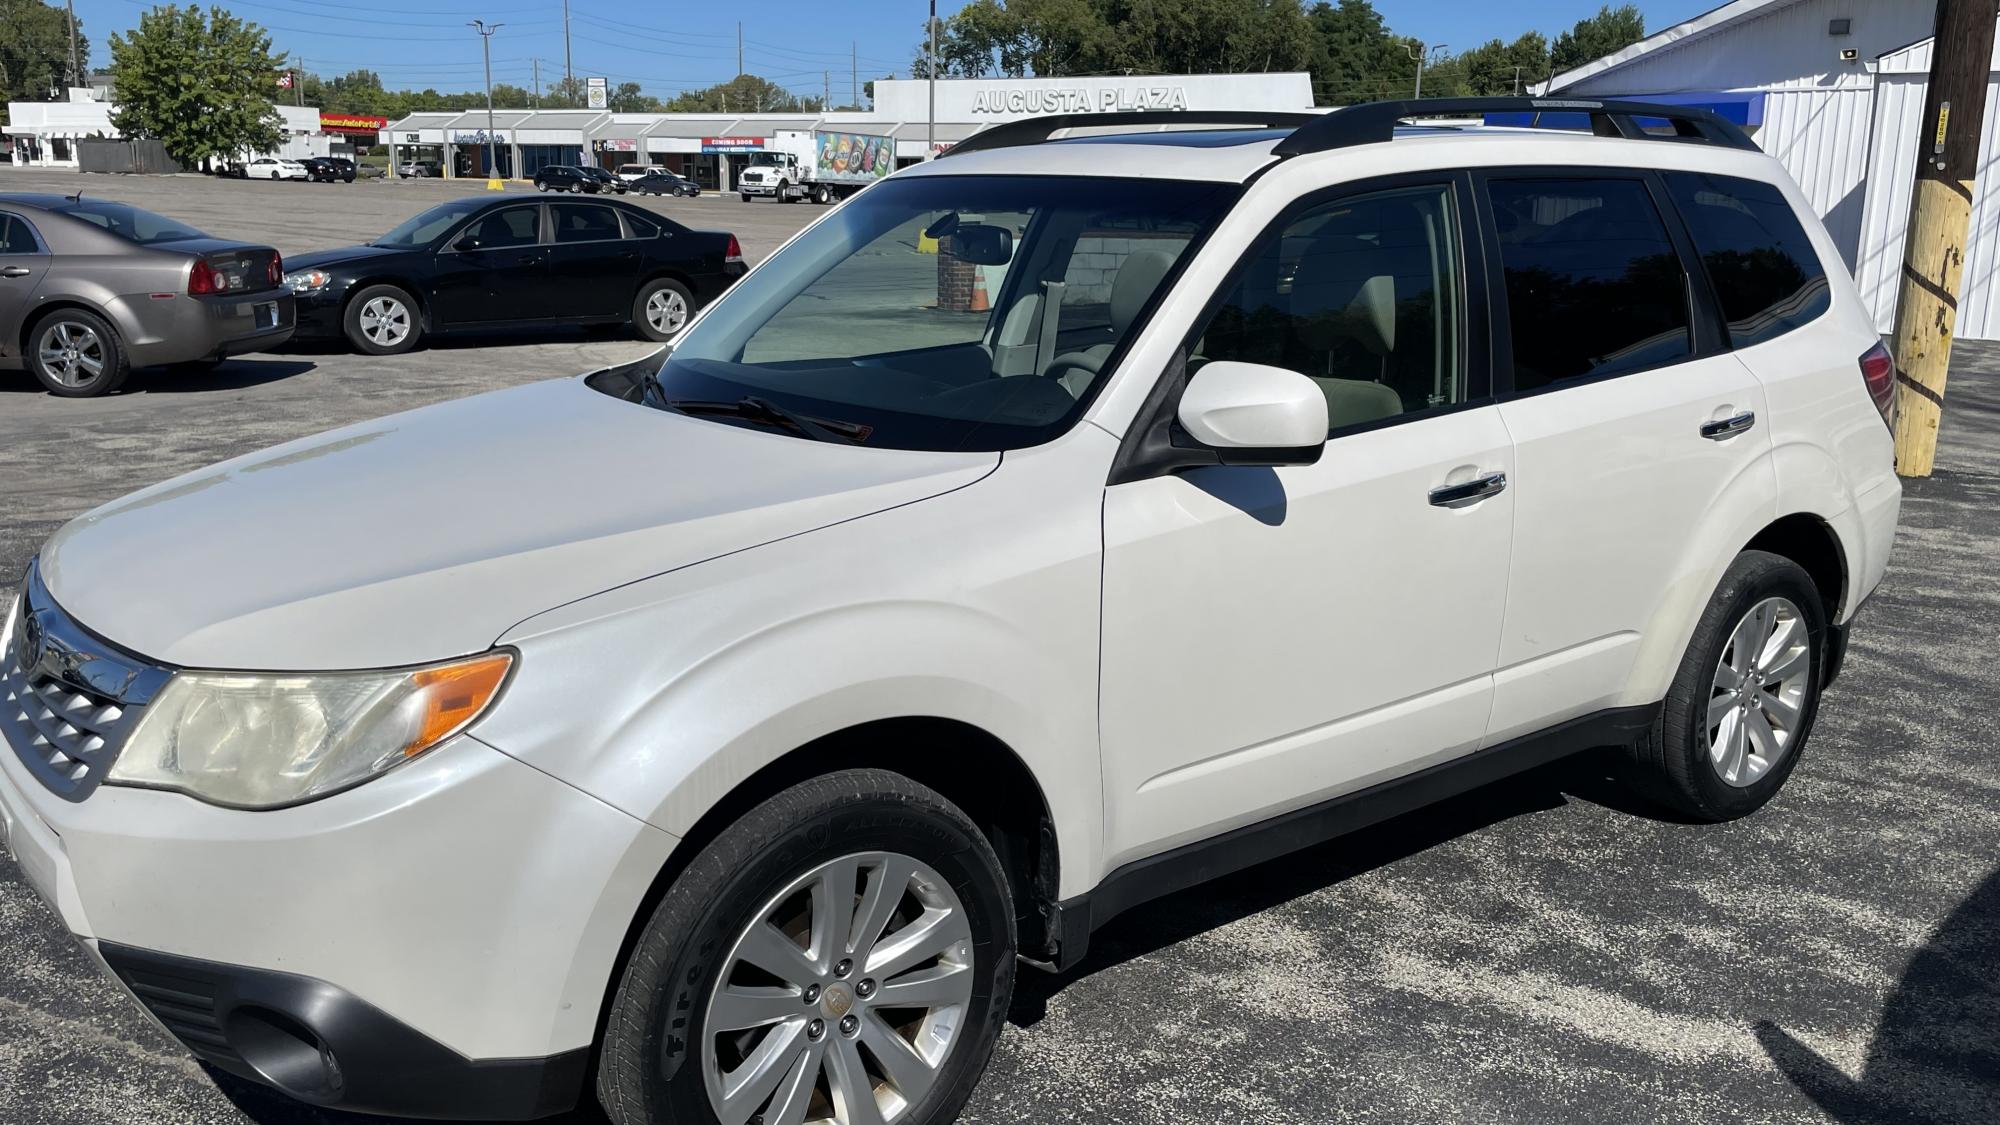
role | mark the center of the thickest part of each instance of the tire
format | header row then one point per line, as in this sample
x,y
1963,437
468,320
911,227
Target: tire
x,y
852,827
541,187
85,358
576,189
661,309
1691,764
822,196
371,316
746,197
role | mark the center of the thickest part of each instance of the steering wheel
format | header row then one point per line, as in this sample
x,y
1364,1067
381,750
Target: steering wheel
x,y
1062,367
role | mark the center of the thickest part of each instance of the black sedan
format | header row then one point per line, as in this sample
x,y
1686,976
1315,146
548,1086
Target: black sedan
x,y
569,177
329,169
659,181
479,263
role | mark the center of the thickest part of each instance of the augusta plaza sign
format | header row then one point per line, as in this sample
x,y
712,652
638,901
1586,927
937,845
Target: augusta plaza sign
x,y
1078,100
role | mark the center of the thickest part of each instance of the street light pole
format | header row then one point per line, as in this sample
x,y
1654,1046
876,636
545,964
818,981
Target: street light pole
x,y
486,31
930,133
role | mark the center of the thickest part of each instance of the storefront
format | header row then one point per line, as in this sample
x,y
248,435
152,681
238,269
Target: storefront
x,y
353,132
43,134
713,148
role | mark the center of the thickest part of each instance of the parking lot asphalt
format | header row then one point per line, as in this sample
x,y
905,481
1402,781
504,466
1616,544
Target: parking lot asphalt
x,y
1541,951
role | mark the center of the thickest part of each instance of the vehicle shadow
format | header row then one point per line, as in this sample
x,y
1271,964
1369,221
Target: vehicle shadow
x,y
492,338
1156,925
231,374
1936,1054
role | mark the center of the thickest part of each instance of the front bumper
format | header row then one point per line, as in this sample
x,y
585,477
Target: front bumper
x,y
319,313
438,941
757,189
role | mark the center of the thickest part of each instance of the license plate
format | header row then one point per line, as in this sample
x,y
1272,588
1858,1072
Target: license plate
x,y
266,314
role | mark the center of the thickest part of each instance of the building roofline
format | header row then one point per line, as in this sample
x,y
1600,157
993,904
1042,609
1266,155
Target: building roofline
x,y
1700,26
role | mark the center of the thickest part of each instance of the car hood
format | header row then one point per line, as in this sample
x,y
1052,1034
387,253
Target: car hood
x,y
340,256
427,535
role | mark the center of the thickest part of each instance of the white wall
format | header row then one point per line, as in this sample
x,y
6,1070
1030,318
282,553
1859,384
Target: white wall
x,y
1784,46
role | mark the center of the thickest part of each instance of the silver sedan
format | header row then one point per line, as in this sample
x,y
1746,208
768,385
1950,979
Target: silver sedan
x,y
90,289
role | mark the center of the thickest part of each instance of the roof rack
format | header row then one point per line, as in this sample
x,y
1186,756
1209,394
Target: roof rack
x,y
1036,130
1377,121
1374,122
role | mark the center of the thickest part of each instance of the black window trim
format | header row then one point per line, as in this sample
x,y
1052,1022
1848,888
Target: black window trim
x,y
1710,338
1149,449
1691,253
41,244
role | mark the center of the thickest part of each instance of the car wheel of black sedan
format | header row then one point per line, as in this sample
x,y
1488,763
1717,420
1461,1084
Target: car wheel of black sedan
x,y
76,354
382,320
662,308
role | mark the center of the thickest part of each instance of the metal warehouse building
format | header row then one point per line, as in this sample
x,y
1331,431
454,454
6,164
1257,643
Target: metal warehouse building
x,y
1834,90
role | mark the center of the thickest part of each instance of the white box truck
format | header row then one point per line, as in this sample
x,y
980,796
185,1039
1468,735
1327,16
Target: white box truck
x,y
822,165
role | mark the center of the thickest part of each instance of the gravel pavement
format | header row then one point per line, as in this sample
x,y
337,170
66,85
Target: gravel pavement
x,y
1541,951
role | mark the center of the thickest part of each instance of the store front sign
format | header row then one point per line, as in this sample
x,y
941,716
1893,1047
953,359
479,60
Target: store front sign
x,y
351,124
1079,100
732,144
480,137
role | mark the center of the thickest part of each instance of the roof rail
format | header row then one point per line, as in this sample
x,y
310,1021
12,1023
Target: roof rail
x,y
1035,130
1373,122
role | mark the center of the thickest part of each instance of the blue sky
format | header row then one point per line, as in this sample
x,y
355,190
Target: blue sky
x,y
688,45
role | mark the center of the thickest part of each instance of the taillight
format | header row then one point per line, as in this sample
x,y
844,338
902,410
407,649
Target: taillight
x,y
735,251
1878,370
275,272
203,279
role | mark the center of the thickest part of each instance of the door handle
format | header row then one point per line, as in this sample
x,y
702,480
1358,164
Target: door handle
x,y
1728,428
15,271
1469,492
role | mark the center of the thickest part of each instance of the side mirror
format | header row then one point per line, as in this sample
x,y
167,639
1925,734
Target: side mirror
x,y
466,242
1251,414
982,244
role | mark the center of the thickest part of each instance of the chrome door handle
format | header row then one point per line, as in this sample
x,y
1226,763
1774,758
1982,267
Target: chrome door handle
x,y
1728,427
1470,492
15,271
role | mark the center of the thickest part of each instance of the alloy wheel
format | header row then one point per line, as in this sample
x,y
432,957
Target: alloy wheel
x,y
71,353
1758,696
842,999
666,310
385,321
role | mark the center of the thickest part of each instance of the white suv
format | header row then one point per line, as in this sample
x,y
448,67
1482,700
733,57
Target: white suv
x,y
1050,527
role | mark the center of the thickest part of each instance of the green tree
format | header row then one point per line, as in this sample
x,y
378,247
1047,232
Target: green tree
x,y
1498,68
1611,29
745,93
626,97
199,83
1358,59
34,52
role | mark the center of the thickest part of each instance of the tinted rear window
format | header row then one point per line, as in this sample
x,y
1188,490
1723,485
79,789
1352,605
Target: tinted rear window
x,y
583,222
1594,286
1763,266
128,222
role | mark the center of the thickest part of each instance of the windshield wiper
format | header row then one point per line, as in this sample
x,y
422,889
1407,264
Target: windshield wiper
x,y
751,408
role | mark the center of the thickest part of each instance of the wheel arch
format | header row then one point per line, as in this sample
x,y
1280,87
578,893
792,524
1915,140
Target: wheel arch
x,y
415,291
1811,542
982,775
54,305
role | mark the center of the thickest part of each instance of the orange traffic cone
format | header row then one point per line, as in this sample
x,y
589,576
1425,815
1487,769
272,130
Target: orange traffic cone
x,y
979,301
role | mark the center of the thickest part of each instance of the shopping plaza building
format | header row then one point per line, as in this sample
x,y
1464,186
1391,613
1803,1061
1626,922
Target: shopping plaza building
x,y
712,148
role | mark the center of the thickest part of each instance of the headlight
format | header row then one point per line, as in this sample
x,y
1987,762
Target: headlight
x,y
256,740
308,281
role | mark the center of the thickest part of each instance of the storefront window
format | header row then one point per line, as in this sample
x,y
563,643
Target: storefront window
x,y
536,157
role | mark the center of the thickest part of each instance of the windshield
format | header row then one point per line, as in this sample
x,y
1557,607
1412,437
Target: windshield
x,y
871,318
128,222
426,227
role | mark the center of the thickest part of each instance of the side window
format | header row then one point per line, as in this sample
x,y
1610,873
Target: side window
x,y
585,222
514,226
1363,295
636,227
1594,285
1766,274
16,236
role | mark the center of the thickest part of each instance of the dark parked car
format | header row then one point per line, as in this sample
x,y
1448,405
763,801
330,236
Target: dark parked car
x,y
329,169
90,289
569,177
480,262
659,181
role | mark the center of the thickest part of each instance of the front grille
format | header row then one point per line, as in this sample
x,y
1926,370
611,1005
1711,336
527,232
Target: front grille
x,y
68,701
186,1003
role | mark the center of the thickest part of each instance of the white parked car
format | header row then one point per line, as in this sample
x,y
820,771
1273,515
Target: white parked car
x,y
1055,525
631,172
274,168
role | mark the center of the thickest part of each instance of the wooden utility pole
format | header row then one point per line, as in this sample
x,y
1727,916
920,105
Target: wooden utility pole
x,y
1940,213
